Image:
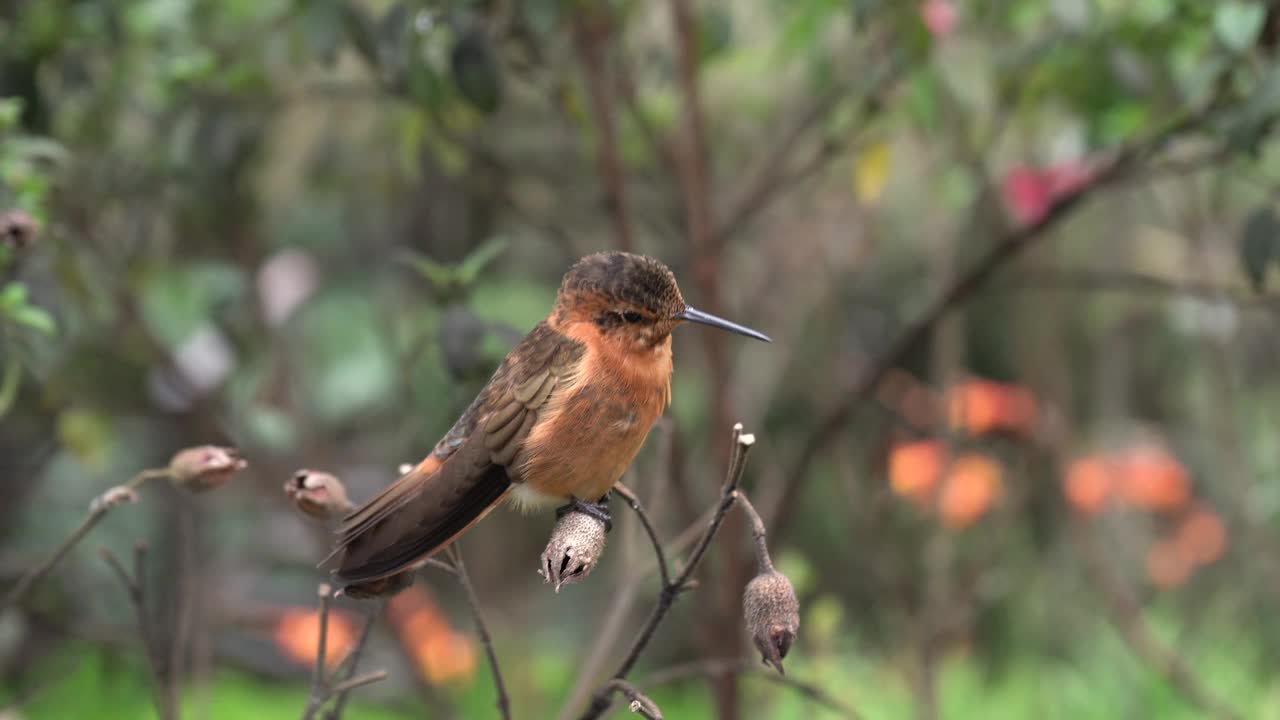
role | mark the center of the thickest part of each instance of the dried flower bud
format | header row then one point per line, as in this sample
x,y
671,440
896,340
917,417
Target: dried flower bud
x,y
205,467
772,614
318,494
113,497
577,542
382,587
17,229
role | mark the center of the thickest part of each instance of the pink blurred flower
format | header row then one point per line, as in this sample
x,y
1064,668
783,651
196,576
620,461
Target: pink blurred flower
x,y
939,17
1030,192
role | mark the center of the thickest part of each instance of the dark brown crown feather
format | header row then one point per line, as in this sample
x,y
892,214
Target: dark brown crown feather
x,y
636,280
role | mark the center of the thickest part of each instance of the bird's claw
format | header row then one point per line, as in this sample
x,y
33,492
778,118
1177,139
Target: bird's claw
x,y
576,544
598,510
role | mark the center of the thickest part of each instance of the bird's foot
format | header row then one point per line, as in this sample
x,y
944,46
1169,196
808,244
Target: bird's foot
x,y
598,510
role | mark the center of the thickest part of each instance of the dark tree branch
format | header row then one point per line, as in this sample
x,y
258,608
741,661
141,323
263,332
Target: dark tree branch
x,y
666,599
343,689
640,703
1007,248
591,36
460,571
166,697
98,509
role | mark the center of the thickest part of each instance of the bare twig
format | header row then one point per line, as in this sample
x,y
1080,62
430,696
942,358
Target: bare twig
x,y
1007,248
166,698
343,688
323,687
1125,615
98,509
640,703
746,666
460,571
764,563
666,599
634,503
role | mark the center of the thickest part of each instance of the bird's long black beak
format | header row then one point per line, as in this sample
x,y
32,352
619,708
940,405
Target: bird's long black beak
x,y
708,319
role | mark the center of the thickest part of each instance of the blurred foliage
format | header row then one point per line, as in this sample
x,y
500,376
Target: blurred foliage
x,y
311,229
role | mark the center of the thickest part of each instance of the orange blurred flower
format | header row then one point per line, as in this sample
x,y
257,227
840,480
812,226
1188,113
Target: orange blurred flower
x,y
1089,483
985,406
973,484
915,468
1152,479
1168,566
1201,536
440,653
297,634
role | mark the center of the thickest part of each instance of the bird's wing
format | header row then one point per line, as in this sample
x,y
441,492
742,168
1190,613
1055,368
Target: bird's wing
x,y
467,473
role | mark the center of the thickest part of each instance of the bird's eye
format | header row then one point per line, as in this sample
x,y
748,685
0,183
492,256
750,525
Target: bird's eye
x,y
632,316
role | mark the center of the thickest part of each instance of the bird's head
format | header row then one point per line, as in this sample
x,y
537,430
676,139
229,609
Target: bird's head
x,y
630,299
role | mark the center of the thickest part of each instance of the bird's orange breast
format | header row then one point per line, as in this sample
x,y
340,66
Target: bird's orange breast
x,y
591,432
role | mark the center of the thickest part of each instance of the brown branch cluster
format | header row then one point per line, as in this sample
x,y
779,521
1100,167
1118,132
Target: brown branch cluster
x,y
335,687
770,606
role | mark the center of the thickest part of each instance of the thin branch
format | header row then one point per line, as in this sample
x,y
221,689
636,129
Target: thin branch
x,y
460,570
591,37
1125,615
640,703
666,599
634,503
350,662
1006,248
98,509
746,666
319,685
764,563
323,688
135,587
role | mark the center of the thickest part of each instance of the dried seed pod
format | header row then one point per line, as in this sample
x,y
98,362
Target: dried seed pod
x,y
17,229
577,542
206,467
772,615
318,494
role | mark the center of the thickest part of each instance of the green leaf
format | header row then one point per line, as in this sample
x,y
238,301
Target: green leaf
x,y
9,384
12,296
1237,24
471,266
33,317
10,112
1260,245
475,71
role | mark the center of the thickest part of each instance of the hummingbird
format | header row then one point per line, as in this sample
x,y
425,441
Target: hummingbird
x,y
562,418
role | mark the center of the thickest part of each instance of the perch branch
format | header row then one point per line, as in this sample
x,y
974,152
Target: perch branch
x,y
135,586
460,571
640,703
634,503
98,509
666,599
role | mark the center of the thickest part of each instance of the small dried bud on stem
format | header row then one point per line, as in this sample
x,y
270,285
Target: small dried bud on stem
x,y
205,467
17,229
318,494
577,542
772,615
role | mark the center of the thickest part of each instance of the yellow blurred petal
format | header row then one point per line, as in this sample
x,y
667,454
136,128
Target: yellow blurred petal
x,y
871,173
